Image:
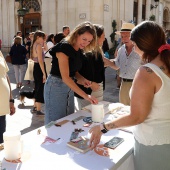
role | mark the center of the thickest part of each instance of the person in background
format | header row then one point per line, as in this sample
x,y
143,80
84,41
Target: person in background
x,y
6,98
27,46
150,104
93,70
58,37
127,61
66,61
39,72
48,57
66,30
118,78
18,56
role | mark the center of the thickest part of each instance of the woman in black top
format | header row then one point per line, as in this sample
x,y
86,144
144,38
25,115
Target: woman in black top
x,y
93,70
66,61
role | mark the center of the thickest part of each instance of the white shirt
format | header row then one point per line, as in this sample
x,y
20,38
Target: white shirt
x,y
128,64
155,130
49,45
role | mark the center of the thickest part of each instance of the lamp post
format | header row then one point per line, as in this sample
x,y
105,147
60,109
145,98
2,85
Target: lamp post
x,y
21,12
156,4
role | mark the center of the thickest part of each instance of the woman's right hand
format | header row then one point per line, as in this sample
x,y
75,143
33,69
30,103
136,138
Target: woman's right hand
x,y
91,99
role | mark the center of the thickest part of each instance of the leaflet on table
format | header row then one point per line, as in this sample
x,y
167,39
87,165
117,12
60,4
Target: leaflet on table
x,y
108,107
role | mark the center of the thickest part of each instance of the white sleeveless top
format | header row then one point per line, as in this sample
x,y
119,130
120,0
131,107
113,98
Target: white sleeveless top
x,y
155,130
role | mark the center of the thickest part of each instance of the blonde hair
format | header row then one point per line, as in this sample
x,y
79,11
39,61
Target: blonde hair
x,y
17,40
99,31
81,29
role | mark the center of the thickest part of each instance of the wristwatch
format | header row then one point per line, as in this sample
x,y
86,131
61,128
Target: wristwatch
x,y
11,100
103,128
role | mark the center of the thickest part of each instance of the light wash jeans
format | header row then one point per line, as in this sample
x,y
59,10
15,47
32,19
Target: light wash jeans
x,y
19,72
59,99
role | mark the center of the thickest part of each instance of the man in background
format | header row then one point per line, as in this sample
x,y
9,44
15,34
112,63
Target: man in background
x,y
66,30
128,61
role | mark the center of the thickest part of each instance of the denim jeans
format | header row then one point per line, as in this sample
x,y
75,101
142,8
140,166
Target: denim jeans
x,y
59,99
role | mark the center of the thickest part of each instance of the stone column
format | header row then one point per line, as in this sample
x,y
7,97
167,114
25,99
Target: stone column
x,y
139,11
148,9
49,16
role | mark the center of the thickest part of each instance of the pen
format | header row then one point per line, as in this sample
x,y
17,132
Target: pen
x,y
57,139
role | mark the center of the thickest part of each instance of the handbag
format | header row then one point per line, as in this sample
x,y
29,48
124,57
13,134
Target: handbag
x,y
8,58
29,71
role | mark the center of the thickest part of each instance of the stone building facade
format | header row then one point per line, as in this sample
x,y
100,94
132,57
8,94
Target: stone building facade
x,y
51,15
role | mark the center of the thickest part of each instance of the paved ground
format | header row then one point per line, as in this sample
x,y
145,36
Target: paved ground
x,y
25,121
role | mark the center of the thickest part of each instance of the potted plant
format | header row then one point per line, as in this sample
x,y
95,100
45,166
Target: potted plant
x,y
152,18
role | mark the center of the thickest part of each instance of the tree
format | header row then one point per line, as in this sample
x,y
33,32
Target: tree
x,y
112,37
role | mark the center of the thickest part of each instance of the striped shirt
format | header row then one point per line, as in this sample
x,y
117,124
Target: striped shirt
x,y
128,64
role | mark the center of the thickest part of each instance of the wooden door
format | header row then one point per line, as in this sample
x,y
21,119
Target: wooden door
x,y
32,23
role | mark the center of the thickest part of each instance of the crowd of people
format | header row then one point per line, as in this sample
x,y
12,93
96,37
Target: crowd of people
x,y
72,64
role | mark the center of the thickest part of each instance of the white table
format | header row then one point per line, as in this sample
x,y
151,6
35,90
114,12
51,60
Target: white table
x,y
58,156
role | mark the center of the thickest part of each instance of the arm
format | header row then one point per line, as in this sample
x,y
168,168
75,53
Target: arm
x,y
64,70
12,108
41,62
81,80
142,94
109,63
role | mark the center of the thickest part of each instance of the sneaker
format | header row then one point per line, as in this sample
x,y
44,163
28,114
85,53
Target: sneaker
x,y
34,110
117,88
39,113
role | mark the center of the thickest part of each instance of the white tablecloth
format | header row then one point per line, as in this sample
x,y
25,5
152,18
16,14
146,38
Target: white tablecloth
x,y
58,156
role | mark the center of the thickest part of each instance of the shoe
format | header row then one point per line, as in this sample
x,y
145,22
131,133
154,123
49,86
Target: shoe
x,y
17,85
39,113
34,110
20,85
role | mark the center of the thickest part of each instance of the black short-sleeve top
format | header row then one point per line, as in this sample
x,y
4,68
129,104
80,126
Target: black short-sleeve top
x,y
75,62
92,69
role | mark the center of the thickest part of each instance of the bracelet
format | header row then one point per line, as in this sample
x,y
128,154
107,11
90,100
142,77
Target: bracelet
x,y
11,100
105,127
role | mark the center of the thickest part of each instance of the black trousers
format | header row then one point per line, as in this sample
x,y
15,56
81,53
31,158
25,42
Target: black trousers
x,y
2,127
39,85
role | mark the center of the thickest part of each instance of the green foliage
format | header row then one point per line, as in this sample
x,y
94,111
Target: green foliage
x,y
112,37
152,18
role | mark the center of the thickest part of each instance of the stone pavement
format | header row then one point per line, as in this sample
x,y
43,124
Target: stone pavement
x,y
25,121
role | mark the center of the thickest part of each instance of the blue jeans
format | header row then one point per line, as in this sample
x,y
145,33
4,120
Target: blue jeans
x,y
59,99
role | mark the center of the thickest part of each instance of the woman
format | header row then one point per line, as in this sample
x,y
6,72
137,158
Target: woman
x,y
150,102
39,72
6,99
48,57
59,87
93,70
18,55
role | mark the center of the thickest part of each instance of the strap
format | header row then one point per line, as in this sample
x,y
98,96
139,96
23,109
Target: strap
x,y
48,50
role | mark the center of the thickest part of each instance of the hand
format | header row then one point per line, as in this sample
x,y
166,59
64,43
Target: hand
x,y
86,83
91,99
12,108
95,86
95,136
44,78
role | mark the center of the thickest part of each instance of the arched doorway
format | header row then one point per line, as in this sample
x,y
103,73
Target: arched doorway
x,y
32,20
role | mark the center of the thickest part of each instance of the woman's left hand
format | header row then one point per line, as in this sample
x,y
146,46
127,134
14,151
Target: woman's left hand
x,y
12,109
95,136
44,78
